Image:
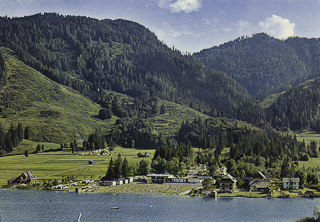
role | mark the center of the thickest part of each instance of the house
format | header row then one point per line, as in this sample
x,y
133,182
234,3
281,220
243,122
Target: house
x,y
291,183
91,161
228,184
159,178
25,178
257,185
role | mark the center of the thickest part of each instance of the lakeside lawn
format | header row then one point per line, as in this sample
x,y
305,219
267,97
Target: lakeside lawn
x,y
58,164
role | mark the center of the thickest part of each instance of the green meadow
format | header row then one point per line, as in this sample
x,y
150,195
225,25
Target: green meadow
x,y
59,164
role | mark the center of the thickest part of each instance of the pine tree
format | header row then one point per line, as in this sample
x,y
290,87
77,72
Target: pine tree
x,y
118,167
125,168
110,171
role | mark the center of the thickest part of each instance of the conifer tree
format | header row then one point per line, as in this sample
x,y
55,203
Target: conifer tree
x,y
125,168
110,171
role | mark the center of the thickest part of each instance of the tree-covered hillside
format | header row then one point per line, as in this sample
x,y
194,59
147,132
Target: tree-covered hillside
x,y
263,64
92,55
297,108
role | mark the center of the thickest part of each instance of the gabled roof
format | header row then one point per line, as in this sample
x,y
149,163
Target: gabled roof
x,y
259,174
229,177
293,179
29,175
260,183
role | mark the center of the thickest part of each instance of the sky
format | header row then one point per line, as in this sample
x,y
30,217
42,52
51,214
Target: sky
x,y
190,25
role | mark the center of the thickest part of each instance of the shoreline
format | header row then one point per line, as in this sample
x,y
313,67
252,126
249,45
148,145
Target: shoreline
x,y
169,189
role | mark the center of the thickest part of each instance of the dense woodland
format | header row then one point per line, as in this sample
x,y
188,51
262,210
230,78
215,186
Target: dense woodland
x,y
263,64
298,108
92,56
102,58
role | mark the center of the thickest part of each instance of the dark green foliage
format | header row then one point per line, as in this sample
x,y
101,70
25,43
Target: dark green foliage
x,y
265,65
298,108
207,184
10,140
38,148
105,114
143,167
26,133
110,171
169,152
128,132
92,56
96,141
26,153
3,72
118,169
125,168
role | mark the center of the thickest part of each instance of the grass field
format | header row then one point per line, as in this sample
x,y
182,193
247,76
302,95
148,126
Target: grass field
x,y
308,136
55,165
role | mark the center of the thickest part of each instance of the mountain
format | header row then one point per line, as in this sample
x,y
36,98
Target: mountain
x,y
265,65
56,113
94,56
297,108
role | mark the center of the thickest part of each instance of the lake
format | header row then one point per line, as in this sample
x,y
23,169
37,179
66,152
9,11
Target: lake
x,y
35,205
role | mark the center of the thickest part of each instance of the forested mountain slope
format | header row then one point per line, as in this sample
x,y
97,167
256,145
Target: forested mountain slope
x,y
263,64
92,55
297,108
56,113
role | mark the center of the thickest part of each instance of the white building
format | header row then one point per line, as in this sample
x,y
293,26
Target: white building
x,y
291,183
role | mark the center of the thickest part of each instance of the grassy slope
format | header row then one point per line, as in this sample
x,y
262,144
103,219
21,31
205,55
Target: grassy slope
x,y
54,165
28,94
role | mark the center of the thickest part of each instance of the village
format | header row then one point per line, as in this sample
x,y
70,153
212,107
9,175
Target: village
x,y
224,185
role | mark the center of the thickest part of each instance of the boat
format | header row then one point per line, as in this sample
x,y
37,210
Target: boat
x,y
114,208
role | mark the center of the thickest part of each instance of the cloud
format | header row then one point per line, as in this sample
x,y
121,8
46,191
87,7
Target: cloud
x,y
177,6
278,27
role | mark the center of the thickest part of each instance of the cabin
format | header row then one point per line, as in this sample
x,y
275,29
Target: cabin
x,y
228,184
159,178
291,183
25,178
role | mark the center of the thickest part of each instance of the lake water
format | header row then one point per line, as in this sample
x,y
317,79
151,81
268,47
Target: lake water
x,y
35,205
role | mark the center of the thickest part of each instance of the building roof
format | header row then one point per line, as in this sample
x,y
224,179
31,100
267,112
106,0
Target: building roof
x,y
259,175
159,175
260,183
29,175
229,177
247,178
293,179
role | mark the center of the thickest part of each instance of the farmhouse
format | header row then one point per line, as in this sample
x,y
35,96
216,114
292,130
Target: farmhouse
x,y
25,178
228,184
291,183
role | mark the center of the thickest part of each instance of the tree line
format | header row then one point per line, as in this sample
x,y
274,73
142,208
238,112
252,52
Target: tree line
x,y
10,140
